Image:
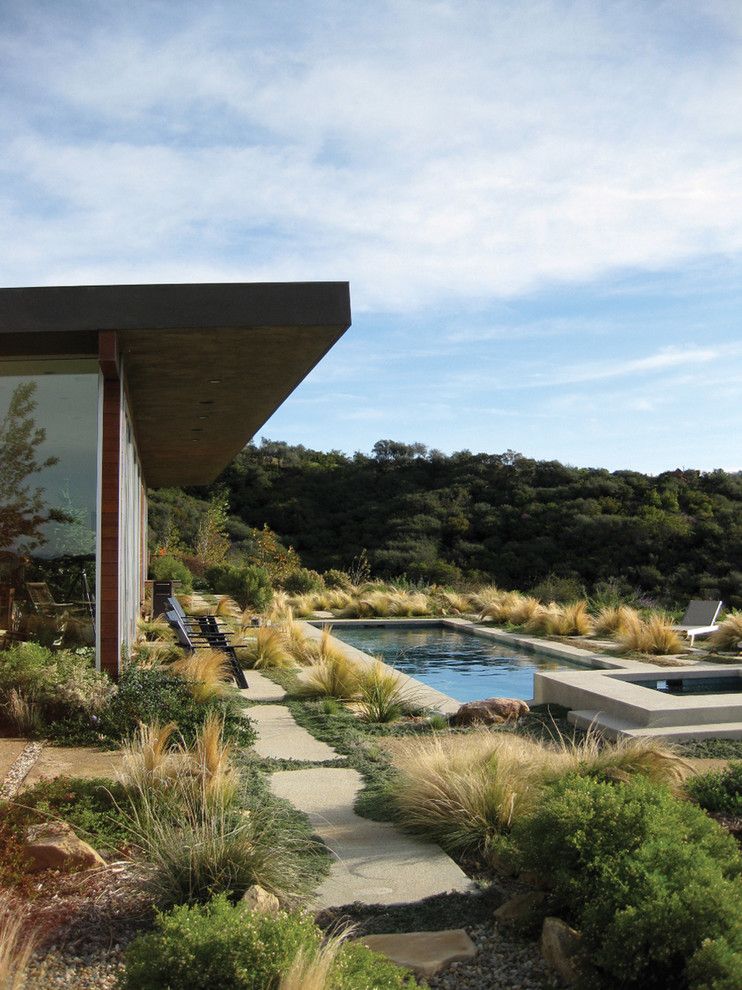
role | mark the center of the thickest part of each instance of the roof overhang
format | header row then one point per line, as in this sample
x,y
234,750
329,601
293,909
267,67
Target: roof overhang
x,y
204,365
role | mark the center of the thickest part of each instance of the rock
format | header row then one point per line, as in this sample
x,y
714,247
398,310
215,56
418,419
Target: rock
x,y
425,953
490,711
56,847
258,899
521,909
560,945
501,864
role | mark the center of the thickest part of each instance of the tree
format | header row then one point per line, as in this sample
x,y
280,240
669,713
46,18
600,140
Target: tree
x,y
23,511
212,542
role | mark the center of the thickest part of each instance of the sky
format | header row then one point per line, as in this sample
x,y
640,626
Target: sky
x,y
538,205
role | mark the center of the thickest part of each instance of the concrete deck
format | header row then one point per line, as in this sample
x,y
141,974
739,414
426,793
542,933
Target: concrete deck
x,y
280,738
375,862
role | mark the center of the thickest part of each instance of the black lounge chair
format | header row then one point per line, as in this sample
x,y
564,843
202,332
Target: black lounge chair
x,y
191,640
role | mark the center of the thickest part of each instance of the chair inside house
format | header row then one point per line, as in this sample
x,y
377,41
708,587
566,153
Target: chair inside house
x,y
43,600
699,619
7,614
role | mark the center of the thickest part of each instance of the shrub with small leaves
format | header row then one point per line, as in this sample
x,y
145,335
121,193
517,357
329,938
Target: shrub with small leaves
x,y
719,790
630,865
302,581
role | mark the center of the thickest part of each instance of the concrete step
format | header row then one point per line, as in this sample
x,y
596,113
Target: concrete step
x,y
610,724
613,726
374,862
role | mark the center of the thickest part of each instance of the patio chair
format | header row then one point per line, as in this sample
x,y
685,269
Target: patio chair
x,y
7,614
699,619
191,641
43,600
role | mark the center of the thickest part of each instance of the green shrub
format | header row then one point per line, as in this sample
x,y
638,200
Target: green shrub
x,y
248,584
631,866
52,691
302,581
168,568
337,579
153,694
561,590
89,806
718,963
719,790
357,968
218,945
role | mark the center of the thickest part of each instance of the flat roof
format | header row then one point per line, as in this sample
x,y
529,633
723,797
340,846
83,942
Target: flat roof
x,y
205,365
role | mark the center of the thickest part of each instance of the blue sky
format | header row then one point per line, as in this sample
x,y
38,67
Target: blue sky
x,y
538,205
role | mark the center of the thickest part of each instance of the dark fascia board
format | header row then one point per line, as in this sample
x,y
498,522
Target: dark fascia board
x,y
79,308
259,339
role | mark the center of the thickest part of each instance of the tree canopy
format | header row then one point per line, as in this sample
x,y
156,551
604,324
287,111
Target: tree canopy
x,y
503,517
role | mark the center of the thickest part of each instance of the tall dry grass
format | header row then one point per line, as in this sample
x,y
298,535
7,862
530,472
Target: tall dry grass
x,y
265,649
729,634
614,619
207,673
313,970
17,943
465,791
335,677
383,696
653,636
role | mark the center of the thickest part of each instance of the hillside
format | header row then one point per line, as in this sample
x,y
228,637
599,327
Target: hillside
x,y
496,516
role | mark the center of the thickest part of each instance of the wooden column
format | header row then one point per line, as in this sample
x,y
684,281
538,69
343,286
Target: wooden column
x,y
109,624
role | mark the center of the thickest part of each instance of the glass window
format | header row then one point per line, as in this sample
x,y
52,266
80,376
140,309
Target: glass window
x,y
48,499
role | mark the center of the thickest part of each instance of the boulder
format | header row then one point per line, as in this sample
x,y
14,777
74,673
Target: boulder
x,y
560,946
425,953
521,909
55,846
490,711
259,899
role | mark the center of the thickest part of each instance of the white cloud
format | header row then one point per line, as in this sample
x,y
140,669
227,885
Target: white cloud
x,y
427,152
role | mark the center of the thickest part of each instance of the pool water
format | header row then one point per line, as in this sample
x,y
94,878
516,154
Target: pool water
x,y
462,666
695,685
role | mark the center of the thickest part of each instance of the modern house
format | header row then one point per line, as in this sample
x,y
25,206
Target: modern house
x,y
108,390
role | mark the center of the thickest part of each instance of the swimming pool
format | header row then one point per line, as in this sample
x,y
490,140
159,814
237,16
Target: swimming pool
x,y
463,666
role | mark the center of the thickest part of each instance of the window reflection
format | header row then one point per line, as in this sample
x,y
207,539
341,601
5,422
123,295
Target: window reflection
x,y
48,493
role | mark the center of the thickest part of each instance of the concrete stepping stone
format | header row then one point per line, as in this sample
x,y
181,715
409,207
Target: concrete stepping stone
x,y
374,862
261,688
425,953
280,738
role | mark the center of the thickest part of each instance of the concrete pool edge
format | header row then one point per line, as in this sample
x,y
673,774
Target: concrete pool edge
x,y
607,695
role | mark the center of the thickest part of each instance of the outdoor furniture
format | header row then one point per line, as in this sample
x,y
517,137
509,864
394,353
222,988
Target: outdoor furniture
x,y
43,600
699,619
191,641
7,615
206,624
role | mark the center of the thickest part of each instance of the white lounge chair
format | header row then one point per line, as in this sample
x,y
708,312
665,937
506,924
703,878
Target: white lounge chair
x,y
699,619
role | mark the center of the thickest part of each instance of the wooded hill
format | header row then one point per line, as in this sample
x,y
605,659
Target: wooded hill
x,y
501,517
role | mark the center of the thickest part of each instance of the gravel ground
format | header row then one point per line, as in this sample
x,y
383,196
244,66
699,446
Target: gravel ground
x,y
503,962
20,769
85,924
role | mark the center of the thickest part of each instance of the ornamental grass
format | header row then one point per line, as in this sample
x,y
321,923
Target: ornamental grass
x,y
383,696
207,673
654,636
614,619
466,790
729,634
266,649
17,944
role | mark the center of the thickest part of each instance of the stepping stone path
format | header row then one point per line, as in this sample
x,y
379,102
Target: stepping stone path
x,y
424,952
261,688
375,863
280,738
